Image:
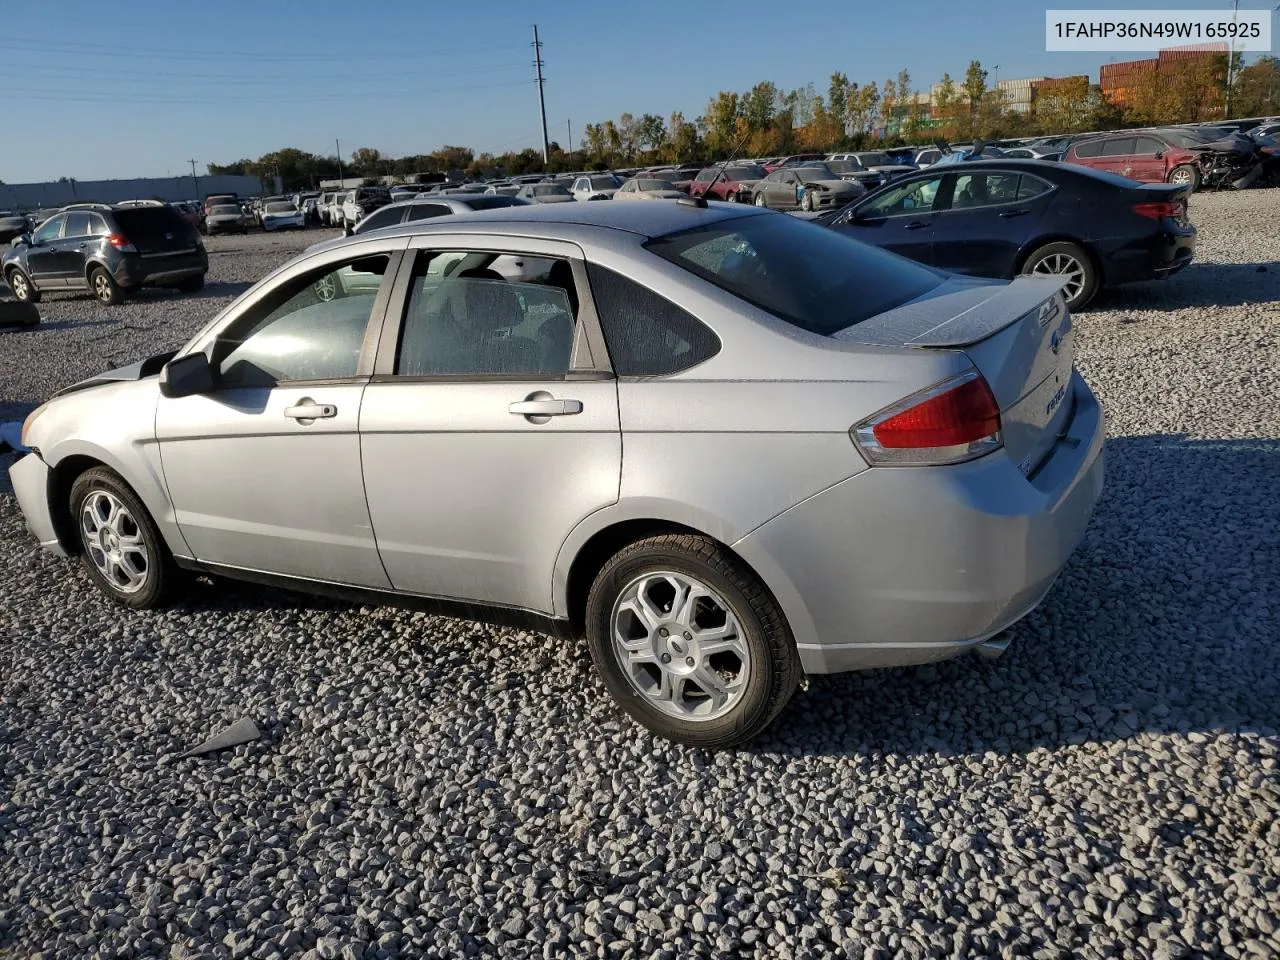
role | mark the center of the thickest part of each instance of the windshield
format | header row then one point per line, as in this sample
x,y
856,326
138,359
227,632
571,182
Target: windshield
x,y
605,183
280,208
225,210
813,277
844,166
549,190
876,159
816,171
652,185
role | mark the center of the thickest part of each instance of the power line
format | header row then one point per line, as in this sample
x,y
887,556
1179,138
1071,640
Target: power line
x,y
60,72
384,95
169,53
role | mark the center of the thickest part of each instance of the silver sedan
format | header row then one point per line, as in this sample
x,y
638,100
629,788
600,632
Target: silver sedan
x,y
727,447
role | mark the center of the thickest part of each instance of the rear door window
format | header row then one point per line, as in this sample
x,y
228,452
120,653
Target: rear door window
x,y
811,277
1089,149
1148,146
1119,147
77,225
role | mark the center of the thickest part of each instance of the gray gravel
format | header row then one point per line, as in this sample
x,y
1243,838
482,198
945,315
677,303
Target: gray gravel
x,y
438,788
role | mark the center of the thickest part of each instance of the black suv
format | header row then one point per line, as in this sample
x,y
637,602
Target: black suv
x,y
107,250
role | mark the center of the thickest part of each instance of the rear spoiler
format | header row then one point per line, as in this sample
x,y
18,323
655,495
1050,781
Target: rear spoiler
x,y
960,312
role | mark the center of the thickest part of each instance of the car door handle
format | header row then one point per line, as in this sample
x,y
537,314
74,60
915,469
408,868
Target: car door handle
x,y
546,408
308,410
1014,213
916,225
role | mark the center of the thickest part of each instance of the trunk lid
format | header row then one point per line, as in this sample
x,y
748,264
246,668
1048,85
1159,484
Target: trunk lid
x,y
1019,337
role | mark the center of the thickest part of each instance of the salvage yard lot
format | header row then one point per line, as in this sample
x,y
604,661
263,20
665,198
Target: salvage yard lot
x,y
434,787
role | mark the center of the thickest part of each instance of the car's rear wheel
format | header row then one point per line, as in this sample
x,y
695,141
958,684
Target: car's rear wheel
x,y
760,201
1071,262
104,287
21,286
806,202
192,284
1185,175
732,197
690,642
122,550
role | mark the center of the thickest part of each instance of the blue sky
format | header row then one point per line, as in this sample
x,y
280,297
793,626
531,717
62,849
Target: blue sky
x,y
139,91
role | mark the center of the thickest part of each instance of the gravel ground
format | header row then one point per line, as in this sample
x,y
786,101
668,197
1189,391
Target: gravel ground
x,y
438,788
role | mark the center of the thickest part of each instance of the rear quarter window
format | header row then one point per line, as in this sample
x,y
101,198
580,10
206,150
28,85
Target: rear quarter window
x,y
647,335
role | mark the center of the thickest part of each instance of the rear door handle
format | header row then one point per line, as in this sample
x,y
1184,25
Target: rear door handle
x,y
307,410
916,225
1014,213
546,408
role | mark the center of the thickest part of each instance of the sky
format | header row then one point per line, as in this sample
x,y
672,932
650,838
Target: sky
x,y
154,85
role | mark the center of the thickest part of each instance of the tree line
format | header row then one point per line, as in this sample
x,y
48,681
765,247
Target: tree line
x,y
767,120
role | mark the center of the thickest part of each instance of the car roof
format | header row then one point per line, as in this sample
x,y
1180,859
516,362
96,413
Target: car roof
x,y
579,222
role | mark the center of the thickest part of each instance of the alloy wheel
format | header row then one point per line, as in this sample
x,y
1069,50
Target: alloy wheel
x,y
680,646
1181,177
114,541
760,200
326,287
1063,265
18,283
101,286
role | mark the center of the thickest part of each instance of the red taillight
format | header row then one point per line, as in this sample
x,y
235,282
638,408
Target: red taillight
x,y
121,243
1157,211
955,420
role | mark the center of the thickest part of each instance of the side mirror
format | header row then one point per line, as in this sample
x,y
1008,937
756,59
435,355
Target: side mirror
x,y
22,240
187,376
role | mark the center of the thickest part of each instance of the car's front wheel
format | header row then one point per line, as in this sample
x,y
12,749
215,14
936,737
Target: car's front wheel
x,y
21,286
760,201
806,202
104,287
121,548
1185,175
690,642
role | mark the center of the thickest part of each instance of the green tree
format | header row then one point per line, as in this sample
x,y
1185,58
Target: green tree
x,y
683,145
838,101
975,86
721,122
651,131
756,106
365,159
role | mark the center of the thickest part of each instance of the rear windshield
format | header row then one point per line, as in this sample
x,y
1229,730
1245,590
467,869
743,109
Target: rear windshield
x,y
150,224
808,275
549,190
280,208
225,211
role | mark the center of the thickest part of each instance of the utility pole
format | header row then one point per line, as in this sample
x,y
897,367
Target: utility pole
x,y
1231,61
338,147
194,179
569,126
542,103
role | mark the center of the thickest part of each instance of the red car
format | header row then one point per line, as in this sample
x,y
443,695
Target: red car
x,y
735,182
1145,156
793,160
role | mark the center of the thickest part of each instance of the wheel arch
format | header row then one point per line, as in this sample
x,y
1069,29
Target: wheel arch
x,y
1043,241
600,536
144,480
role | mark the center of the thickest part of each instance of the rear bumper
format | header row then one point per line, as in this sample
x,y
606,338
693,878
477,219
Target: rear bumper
x,y
1160,255
30,479
138,270
899,566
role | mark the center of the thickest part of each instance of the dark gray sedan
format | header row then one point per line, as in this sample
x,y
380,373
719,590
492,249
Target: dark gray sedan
x,y
436,205
814,186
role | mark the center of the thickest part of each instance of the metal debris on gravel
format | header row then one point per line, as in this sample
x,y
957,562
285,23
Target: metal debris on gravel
x,y
427,787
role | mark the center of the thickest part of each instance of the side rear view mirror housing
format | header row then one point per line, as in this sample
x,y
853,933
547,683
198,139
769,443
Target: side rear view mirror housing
x,y
186,376
22,240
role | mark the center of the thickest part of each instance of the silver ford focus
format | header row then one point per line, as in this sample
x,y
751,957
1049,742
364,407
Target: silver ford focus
x,y
727,447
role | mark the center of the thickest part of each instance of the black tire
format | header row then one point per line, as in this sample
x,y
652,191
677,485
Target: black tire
x,y
161,577
760,200
1186,170
806,202
192,284
774,663
104,287
1060,250
28,294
